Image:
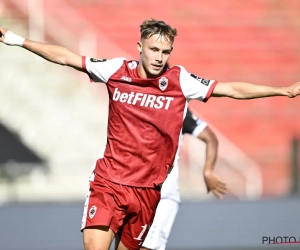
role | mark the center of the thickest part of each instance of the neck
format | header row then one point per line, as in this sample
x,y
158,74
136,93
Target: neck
x,y
141,71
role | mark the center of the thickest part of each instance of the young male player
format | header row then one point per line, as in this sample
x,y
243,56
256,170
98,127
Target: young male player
x,y
168,206
146,109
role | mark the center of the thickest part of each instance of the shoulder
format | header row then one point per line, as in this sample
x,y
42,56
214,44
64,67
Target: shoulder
x,y
175,73
182,73
100,70
100,60
131,64
103,61
180,68
177,68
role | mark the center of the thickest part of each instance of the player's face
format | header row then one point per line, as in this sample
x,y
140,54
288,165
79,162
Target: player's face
x,y
154,54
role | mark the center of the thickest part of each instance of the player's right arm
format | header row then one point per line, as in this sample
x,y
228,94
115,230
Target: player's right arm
x,y
53,53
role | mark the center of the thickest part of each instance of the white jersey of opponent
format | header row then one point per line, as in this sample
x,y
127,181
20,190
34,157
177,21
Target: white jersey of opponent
x,y
170,188
168,206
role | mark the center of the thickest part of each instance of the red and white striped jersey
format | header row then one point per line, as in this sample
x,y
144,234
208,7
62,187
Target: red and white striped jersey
x,y
144,120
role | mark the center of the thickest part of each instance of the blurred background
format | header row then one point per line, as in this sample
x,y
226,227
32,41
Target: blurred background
x,y
53,120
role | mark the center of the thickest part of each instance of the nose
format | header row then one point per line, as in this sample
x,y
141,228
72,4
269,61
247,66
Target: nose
x,y
159,58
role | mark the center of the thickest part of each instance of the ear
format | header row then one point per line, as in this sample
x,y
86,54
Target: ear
x,y
139,46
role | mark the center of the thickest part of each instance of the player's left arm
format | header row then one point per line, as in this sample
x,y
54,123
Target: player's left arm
x,y
242,90
213,184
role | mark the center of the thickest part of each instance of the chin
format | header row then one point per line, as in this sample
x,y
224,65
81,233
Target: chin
x,y
155,73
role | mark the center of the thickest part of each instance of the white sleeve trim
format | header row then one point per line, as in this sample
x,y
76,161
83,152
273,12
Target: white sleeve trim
x,y
101,71
194,87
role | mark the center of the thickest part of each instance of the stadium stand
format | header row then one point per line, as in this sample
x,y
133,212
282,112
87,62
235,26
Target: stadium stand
x,y
258,44
253,41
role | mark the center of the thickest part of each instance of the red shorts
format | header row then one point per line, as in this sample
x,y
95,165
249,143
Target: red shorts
x,y
127,211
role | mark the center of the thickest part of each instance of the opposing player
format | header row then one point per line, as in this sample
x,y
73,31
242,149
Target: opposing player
x,y
168,206
146,109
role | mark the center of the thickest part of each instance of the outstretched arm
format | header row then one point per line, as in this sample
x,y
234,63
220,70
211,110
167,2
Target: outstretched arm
x,y
242,90
53,53
213,184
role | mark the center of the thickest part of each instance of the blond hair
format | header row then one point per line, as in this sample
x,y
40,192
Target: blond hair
x,y
151,27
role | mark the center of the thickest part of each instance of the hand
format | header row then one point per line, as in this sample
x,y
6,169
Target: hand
x,y
294,90
2,33
213,184
10,38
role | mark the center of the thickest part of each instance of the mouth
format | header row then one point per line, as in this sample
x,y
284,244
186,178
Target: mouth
x,y
156,66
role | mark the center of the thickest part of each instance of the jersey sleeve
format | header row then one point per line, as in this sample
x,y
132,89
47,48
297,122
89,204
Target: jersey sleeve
x,y
193,125
100,70
194,87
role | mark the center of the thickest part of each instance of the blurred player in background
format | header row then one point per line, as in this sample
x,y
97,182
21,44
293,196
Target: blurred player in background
x,y
168,206
147,105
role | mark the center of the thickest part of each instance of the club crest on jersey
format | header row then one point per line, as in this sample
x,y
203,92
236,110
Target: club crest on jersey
x,y
132,65
163,83
92,212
